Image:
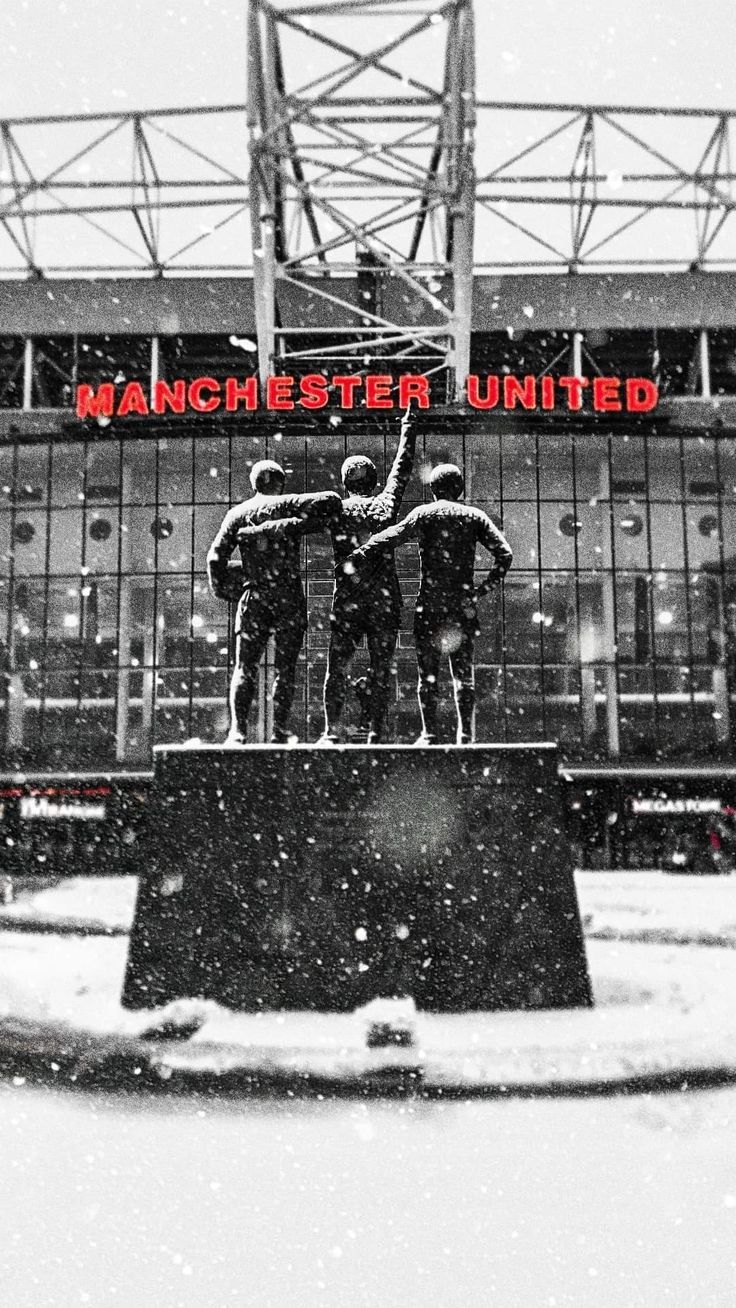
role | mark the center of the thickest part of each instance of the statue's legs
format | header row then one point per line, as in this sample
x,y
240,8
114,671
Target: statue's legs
x,y
289,634
428,662
377,617
462,667
250,643
344,638
381,647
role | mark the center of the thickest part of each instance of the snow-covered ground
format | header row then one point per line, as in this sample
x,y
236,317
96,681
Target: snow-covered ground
x,y
660,952
330,1202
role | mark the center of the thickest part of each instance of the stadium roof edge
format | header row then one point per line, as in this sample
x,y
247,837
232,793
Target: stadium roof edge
x,y
224,305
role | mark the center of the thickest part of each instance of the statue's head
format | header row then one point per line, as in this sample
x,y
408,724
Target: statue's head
x,y
268,477
446,482
359,475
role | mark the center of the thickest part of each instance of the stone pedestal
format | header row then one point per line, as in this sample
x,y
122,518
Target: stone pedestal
x,y
302,877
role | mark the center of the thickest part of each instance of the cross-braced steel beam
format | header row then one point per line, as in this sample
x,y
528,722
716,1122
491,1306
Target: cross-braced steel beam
x,y
361,120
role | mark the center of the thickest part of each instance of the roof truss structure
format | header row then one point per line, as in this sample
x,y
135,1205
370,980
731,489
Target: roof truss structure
x,y
361,130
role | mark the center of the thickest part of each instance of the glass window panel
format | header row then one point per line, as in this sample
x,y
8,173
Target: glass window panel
x,y
67,473
561,689
665,472
490,704
210,626
28,542
212,469
482,468
591,466
699,454
636,711
633,617
707,618
106,602
101,543
64,623
5,541
103,472
593,539
175,470
703,535
631,537
12,355
319,558
523,620
325,455
728,521
519,455
246,450
627,464
524,704
7,464
114,358
175,548
53,368
670,612
439,447
667,542
32,475
138,544
520,528
559,529
67,526
139,472
207,520
559,618
373,444
291,454
726,456
210,719
555,467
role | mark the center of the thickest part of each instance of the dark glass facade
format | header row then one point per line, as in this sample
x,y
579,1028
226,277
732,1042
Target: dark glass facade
x,y
615,632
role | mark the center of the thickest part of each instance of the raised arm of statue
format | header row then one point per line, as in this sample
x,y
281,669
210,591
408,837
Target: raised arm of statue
x,y
397,481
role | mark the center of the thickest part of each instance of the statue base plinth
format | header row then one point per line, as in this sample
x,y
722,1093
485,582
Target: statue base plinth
x,y
319,878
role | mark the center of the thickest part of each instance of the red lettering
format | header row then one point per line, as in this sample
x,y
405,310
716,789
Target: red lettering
x,y
164,398
548,392
313,388
133,400
196,388
278,392
574,387
475,399
346,387
606,394
378,391
641,395
514,390
91,405
413,388
234,392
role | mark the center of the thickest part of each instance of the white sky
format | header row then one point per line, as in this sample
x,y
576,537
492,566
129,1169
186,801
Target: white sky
x,y
66,56
71,56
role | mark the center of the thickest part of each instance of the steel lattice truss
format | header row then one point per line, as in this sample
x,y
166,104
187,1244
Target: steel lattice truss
x,y
348,180
363,170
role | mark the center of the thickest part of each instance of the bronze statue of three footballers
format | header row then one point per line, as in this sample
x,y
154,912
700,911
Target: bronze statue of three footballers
x,y
267,530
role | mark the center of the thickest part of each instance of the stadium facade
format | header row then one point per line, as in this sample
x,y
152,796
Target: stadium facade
x,y
616,630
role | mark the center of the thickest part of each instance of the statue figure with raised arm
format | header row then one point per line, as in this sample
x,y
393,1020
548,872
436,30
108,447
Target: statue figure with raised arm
x,y
446,619
373,609
267,529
